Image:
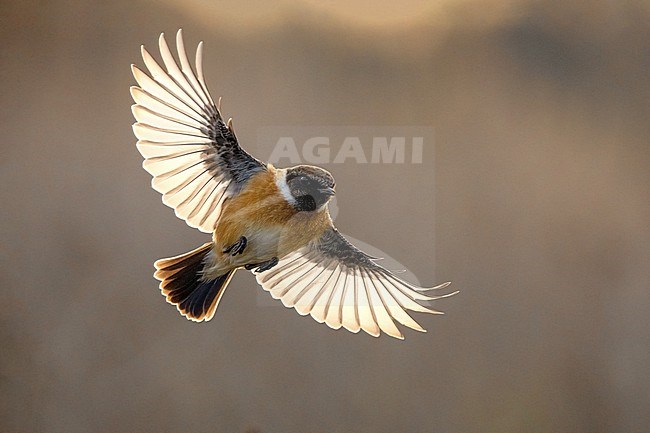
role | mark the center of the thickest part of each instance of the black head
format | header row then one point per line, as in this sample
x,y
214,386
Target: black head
x,y
311,187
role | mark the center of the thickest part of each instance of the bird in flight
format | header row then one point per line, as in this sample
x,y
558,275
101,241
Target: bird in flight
x,y
271,221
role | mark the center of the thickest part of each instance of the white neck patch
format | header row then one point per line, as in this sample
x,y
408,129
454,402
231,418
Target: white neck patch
x,y
281,182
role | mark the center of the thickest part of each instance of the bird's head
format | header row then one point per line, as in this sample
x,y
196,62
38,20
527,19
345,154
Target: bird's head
x,y
311,187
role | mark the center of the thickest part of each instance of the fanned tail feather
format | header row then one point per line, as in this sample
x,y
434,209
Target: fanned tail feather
x,y
183,285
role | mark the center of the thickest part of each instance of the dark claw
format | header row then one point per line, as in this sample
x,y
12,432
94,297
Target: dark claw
x,y
237,248
262,267
267,265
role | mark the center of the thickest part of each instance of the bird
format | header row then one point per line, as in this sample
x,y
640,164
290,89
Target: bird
x,y
271,221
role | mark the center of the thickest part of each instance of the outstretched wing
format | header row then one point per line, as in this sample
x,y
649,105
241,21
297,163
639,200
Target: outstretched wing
x,y
336,283
192,154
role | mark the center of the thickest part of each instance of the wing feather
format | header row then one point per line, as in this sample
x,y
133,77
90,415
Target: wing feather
x,y
333,316
144,99
365,309
170,99
149,117
161,86
193,156
338,284
199,71
318,307
298,289
297,275
307,298
175,72
349,312
381,312
187,68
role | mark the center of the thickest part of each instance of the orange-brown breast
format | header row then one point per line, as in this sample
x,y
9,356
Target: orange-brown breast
x,y
272,226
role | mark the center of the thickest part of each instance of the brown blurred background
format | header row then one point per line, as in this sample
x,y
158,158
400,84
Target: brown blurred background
x,y
539,213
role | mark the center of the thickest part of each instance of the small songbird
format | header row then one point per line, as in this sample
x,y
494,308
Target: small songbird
x,y
272,221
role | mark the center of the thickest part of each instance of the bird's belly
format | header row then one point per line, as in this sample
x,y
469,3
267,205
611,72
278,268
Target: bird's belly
x,y
269,241
263,244
260,247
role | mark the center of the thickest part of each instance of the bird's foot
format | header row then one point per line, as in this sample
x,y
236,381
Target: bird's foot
x,y
236,248
262,267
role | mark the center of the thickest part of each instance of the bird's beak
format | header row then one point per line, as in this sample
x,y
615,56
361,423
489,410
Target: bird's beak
x,y
327,191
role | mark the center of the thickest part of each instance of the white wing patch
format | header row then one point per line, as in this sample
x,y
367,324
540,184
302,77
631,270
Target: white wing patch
x,y
344,288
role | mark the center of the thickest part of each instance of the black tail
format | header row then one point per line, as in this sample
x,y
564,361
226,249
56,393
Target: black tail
x,y
183,285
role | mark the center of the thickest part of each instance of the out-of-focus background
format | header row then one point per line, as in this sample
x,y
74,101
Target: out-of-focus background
x,y
534,201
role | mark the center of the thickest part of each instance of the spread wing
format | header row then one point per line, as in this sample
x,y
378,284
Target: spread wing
x,y
336,283
192,154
